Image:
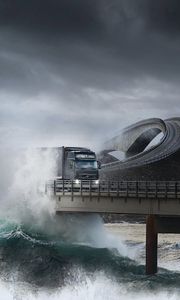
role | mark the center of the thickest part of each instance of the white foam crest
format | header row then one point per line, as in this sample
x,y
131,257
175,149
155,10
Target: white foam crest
x,y
97,288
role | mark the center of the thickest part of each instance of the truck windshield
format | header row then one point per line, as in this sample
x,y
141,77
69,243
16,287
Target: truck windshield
x,y
86,164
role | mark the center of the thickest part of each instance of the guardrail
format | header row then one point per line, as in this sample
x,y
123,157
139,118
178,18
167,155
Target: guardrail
x,y
124,189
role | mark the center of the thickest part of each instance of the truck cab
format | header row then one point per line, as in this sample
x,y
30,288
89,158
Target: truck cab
x,y
80,163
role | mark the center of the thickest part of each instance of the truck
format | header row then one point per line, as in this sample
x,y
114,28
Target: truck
x,y
77,163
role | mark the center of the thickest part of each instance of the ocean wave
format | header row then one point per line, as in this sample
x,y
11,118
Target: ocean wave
x,y
50,261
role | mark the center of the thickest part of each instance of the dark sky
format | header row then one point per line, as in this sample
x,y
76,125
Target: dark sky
x,y
74,72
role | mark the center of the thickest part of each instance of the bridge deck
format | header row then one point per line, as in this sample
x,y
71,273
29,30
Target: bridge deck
x,y
134,197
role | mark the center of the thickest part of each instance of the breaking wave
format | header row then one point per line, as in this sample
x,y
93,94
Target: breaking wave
x,y
44,256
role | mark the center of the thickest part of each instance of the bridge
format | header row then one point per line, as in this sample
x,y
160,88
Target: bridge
x,y
158,200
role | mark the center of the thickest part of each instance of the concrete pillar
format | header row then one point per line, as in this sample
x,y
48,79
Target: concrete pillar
x,y
151,245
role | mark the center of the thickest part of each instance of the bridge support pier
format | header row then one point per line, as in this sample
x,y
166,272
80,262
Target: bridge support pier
x,y
151,245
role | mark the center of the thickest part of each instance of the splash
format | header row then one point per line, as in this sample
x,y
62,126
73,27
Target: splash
x,y
97,288
23,197
24,202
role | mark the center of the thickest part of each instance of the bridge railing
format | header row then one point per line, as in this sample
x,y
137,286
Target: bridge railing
x,y
124,189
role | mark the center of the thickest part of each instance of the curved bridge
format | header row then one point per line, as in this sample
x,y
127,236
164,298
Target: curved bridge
x,y
137,136
134,139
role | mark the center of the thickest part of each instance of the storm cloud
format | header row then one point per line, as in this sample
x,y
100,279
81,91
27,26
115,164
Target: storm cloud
x,y
75,72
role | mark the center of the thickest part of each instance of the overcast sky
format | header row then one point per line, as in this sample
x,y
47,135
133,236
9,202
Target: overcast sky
x,y
74,72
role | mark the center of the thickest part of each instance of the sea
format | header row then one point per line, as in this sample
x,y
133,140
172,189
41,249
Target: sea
x,y
72,256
